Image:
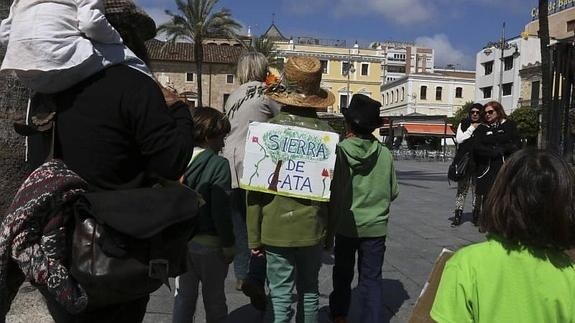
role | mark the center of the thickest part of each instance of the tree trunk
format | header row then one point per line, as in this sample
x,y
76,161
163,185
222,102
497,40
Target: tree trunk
x,y
546,81
199,57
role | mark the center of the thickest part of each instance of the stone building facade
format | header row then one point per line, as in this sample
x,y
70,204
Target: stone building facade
x,y
174,67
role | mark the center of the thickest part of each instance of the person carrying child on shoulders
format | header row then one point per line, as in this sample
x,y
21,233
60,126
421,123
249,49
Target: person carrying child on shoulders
x,y
211,249
53,44
363,187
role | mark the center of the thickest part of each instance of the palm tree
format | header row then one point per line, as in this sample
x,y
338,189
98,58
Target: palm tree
x,y
266,47
195,22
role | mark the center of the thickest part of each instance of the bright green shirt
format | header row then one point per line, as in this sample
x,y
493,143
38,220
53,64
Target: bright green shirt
x,y
486,282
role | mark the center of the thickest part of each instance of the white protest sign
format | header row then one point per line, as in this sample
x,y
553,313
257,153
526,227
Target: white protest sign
x,y
289,161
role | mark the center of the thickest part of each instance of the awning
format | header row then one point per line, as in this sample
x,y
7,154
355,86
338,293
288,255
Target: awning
x,y
426,129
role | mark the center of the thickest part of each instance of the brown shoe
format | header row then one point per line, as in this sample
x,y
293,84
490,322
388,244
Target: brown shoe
x,y
340,319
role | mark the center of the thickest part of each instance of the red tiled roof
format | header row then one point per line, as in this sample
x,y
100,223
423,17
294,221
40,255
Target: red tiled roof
x,y
184,52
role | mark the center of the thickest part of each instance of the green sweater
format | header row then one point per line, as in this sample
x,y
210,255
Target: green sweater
x,y
209,175
281,221
363,186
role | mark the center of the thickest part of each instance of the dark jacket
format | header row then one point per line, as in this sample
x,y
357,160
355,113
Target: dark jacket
x,y
114,128
209,175
493,144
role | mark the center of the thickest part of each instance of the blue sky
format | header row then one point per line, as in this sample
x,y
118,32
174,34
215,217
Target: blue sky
x,y
456,29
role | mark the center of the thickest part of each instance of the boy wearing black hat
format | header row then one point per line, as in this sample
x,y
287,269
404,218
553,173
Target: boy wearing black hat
x,y
363,187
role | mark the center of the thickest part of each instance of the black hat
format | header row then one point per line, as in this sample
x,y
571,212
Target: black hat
x,y
363,111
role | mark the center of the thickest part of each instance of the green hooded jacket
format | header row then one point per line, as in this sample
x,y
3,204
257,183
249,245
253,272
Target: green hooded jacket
x,y
282,221
363,186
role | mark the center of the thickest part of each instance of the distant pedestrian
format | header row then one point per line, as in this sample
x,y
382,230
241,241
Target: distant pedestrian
x,y
464,139
211,250
522,273
495,141
246,104
54,44
363,187
291,231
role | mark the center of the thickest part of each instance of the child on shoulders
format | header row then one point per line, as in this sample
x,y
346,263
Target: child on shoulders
x,y
54,44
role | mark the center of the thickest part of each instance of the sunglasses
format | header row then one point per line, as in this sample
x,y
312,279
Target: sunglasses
x,y
475,112
489,111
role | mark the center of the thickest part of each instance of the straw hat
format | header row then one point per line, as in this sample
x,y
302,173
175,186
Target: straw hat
x,y
126,12
300,85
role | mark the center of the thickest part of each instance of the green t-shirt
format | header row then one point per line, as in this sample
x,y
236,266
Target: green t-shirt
x,y
486,282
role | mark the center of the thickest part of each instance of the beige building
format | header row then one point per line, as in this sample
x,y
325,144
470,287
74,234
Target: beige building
x,y
561,26
440,93
561,20
347,70
404,58
174,67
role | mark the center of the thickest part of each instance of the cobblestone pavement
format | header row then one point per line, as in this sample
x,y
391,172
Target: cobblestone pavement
x,y
418,230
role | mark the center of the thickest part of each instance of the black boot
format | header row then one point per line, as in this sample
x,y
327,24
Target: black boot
x,y
475,219
457,218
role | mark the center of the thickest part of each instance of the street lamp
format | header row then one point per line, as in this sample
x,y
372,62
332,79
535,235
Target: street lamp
x,y
502,45
348,70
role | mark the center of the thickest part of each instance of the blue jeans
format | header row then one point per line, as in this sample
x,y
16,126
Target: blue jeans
x,y
370,260
289,267
242,257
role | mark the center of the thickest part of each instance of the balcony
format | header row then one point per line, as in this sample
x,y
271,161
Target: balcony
x,y
320,42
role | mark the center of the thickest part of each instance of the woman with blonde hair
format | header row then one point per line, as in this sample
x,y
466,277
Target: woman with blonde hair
x,y
246,104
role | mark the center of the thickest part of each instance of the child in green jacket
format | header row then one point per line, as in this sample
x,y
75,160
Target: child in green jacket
x,y
211,248
363,187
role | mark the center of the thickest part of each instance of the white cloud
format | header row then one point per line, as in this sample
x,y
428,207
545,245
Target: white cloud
x,y
402,12
445,52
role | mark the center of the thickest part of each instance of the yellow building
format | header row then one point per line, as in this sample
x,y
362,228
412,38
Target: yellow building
x,y
347,70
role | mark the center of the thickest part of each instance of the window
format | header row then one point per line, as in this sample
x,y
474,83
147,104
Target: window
x,y
486,92
438,91
345,66
535,86
230,78
571,25
342,101
364,69
507,87
508,63
226,97
392,97
383,99
488,66
459,92
189,77
423,92
402,94
395,69
396,96
387,98
323,66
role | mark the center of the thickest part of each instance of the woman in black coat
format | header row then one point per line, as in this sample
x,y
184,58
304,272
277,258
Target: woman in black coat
x,y
465,139
495,141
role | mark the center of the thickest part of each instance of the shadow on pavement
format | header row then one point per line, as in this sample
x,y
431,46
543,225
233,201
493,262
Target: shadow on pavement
x,y
247,313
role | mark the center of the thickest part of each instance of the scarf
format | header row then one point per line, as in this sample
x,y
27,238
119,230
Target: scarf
x,y
33,240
